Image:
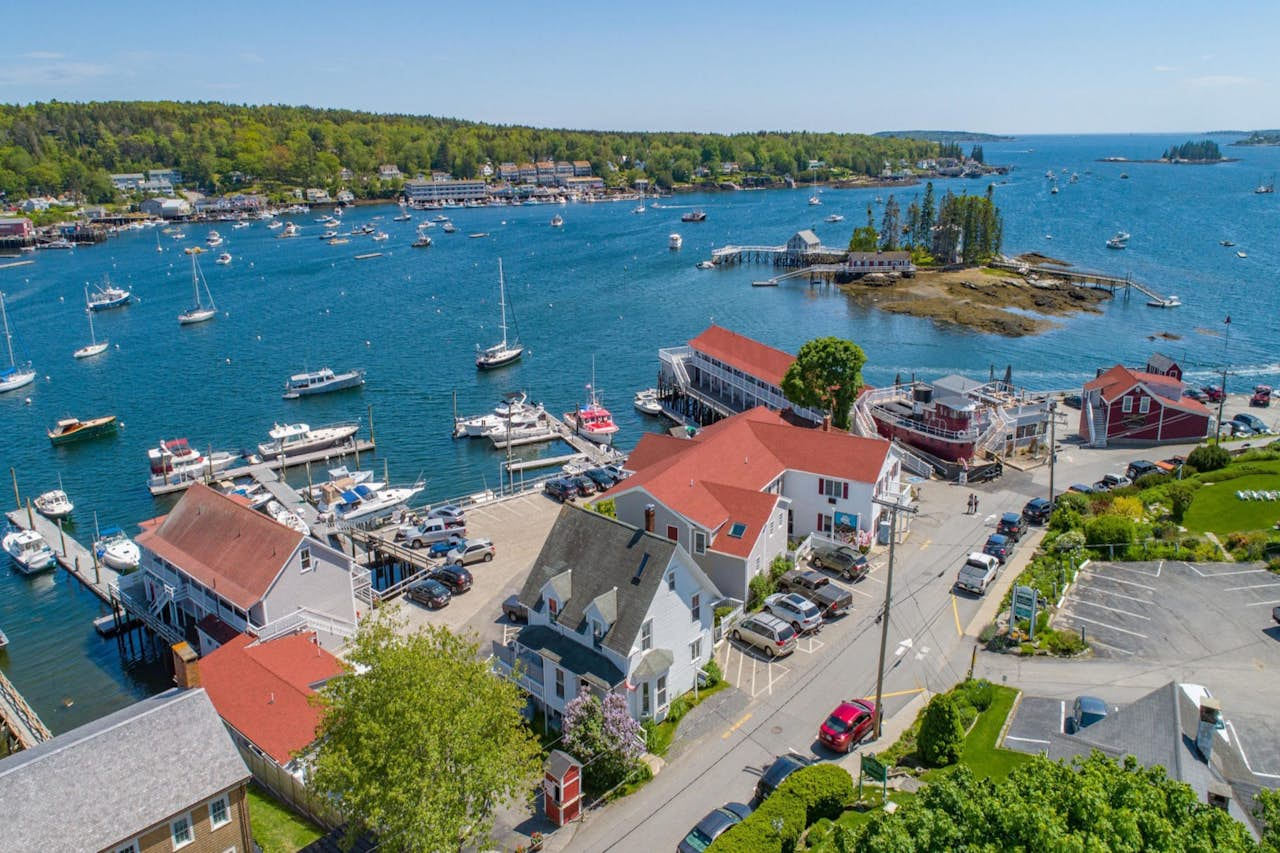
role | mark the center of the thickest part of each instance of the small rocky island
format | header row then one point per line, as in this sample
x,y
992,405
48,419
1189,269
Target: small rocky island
x,y
1206,151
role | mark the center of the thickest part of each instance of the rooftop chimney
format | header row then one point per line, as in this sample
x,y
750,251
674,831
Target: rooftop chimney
x,y
1219,795
650,513
826,423
186,666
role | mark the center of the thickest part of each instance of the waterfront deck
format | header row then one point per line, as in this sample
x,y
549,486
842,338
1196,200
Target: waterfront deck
x,y
21,725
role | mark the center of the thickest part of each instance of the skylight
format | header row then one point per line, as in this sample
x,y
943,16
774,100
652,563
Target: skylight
x,y
737,530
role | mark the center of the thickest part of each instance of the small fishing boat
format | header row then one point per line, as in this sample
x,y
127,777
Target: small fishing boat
x,y
693,216
107,296
28,550
116,550
380,236
1227,243
504,352
1241,255
54,504
404,216
422,242
835,217
448,228
1119,240
674,242
706,265
68,430
199,312
16,375
592,420
1170,301
224,258
557,221
94,347
647,402
478,235
322,381
276,225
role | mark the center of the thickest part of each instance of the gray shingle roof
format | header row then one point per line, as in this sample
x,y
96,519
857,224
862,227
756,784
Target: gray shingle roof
x,y
603,553
106,781
576,658
654,662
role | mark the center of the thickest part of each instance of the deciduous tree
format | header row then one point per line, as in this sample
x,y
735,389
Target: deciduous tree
x,y
604,737
827,376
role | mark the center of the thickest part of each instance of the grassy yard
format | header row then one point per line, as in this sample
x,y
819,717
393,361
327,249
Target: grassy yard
x,y
980,754
1217,509
276,828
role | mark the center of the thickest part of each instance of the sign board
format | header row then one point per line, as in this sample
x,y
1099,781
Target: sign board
x,y
1024,602
847,519
872,767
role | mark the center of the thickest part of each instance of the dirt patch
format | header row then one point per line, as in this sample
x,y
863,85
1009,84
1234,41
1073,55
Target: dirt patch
x,y
981,299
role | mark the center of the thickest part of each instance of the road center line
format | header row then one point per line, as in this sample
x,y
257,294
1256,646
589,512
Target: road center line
x,y
736,726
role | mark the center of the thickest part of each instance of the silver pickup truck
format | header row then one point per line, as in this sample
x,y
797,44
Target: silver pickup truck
x,y
977,573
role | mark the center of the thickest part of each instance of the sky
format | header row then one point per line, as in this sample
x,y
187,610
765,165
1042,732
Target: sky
x,y
1017,67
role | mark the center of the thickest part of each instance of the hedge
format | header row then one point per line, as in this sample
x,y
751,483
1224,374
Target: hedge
x,y
807,796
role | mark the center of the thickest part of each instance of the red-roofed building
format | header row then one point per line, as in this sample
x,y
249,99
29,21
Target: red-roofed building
x,y
1124,405
734,492
214,556
721,373
262,690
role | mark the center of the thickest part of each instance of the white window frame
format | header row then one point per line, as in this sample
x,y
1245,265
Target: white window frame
x,y
695,650
191,831
1126,404
226,811
1144,405
695,607
661,692
699,542
646,635
305,561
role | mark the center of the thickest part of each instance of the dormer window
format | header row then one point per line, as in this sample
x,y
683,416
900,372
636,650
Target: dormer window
x,y
553,607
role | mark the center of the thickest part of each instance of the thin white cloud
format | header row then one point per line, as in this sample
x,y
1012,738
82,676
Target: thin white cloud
x,y
1219,81
252,58
42,55
1165,69
57,73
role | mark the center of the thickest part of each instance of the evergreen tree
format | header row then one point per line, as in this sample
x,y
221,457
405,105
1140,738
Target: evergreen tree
x,y
890,226
928,216
912,228
976,154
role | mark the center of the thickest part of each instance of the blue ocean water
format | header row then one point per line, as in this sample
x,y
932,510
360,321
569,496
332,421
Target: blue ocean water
x,y
603,289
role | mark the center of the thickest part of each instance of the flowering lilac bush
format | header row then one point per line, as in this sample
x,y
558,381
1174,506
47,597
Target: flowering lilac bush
x,y
603,737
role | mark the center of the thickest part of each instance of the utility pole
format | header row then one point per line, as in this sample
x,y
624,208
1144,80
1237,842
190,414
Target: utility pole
x,y
895,506
1222,400
1053,446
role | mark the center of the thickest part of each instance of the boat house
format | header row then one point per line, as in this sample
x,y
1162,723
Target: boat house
x,y
213,559
862,263
1126,405
721,373
613,608
734,493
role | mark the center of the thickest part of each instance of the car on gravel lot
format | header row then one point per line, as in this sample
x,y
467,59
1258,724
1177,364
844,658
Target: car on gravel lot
x,y
456,578
831,600
777,773
429,592
712,826
771,635
1037,511
841,559
514,610
471,551
799,612
977,573
1011,525
847,725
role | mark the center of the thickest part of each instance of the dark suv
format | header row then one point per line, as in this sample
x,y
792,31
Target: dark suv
x,y
1012,525
998,546
560,489
456,578
1037,511
1140,468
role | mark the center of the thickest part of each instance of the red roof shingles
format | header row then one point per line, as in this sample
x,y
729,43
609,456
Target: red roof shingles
x,y
746,452
224,545
759,360
1115,381
262,689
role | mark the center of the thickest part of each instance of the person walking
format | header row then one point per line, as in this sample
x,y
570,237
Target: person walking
x,y
975,502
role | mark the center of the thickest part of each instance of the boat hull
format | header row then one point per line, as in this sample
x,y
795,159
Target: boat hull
x,y
91,350
943,448
89,429
190,318
16,380
338,383
108,304
122,558
331,437
483,363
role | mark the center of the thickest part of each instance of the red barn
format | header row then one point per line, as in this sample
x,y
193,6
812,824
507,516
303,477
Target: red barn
x,y
1127,406
562,787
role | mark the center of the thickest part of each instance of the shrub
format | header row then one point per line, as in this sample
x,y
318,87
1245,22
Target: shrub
x,y
1072,540
760,588
679,707
757,835
606,507
1109,530
714,675
941,732
986,634
1073,501
1063,643
1165,530
1149,481
823,789
1209,457
1127,506
979,693
1273,565
779,567
1180,496
722,611
603,736
1065,518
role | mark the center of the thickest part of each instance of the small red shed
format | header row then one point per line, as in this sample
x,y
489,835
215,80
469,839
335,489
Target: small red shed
x,y
562,787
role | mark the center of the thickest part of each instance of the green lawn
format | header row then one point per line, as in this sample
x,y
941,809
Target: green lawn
x,y
277,828
980,754
1217,509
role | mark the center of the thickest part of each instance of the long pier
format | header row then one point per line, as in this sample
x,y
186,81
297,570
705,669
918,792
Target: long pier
x,y
22,726
1092,280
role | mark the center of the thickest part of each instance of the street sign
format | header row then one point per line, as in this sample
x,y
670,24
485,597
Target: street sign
x,y
872,767
1024,602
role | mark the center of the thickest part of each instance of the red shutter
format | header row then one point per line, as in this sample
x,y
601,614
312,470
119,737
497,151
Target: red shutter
x,y
820,530
846,491
819,485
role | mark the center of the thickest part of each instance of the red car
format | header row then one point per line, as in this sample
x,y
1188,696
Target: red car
x,y
848,724
1213,393
1261,396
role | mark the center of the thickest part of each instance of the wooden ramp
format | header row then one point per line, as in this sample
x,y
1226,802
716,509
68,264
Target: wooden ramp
x,y
22,726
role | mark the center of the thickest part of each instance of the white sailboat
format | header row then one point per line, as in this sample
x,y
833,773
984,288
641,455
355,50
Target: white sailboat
x,y
14,376
505,352
199,312
95,347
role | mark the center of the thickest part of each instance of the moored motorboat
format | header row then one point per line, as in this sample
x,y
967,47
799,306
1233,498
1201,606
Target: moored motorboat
x,y
675,241
557,221
706,265
224,258
647,402
693,216
369,500
175,462
422,242
116,550
68,430
835,217
28,550
106,296
296,439
54,504
1170,301
322,381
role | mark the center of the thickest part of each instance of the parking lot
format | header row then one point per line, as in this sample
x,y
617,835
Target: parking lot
x,y
1172,611
517,527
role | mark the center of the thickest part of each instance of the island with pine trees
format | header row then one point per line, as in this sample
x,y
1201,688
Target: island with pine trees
x,y
1203,153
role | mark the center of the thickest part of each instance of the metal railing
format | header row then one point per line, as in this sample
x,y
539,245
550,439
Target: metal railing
x,y
303,619
20,717
912,462
143,613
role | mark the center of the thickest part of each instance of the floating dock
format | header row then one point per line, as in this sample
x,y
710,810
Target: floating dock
x,y
355,447
69,554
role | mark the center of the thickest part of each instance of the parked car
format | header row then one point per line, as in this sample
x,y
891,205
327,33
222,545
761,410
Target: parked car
x,y
600,477
777,773
1081,488
1237,429
432,593
454,516
771,635
1172,465
1072,401
444,546
1275,614
831,600
472,551
712,827
1037,510
514,610
841,559
1086,711
430,531
456,578
802,614
1110,482
617,472
1213,393
1255,424
1261,396
847,725
977,573
998,546
583,486
560,489
1140,468
1195,394
1011,525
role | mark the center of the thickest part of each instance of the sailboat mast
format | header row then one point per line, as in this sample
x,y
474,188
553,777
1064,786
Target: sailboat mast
x,y
8,338
502,303
93,337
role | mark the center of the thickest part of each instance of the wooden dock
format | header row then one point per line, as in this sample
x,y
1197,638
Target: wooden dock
x,y
21,725
1083,278
341,451
78,560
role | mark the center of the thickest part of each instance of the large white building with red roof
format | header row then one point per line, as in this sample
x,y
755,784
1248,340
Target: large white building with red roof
x,y
1125,405
213,556
734,493
720,373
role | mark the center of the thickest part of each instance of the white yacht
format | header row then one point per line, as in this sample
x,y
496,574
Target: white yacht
x,y
116,550
175,461
368,501
835,217
283,515
321,381
28,550
675,241
647,402
54,504
504,352
296,439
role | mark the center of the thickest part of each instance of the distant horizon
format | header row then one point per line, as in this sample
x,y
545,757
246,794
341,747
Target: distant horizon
x,y
717,67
